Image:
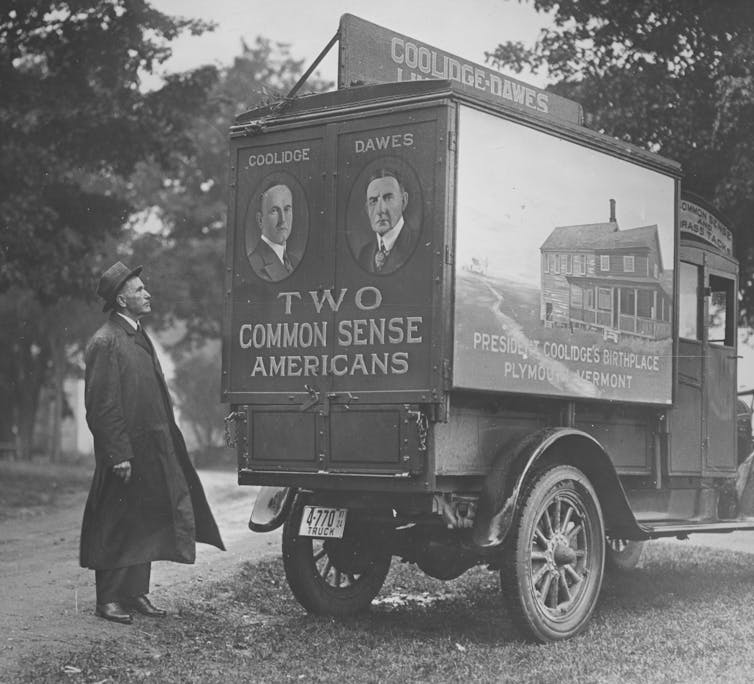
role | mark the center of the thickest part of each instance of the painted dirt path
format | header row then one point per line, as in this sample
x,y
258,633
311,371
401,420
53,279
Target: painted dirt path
x,y
47,600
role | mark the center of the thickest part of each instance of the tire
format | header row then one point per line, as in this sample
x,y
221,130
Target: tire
x,y
622,555
336,577
554,556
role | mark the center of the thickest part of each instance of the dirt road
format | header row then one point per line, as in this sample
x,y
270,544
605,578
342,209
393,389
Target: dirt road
x,y
47,600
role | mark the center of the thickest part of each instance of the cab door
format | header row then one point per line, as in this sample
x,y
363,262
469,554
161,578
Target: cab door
x,y
721,358
703,421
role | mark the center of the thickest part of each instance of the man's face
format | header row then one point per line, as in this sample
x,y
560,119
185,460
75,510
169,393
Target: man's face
x,y
134,298
276,216
385,203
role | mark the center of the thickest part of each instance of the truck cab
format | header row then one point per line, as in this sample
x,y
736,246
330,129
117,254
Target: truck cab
x,y
459,332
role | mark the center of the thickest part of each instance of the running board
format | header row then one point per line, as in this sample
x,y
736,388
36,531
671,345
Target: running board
x,y
678,528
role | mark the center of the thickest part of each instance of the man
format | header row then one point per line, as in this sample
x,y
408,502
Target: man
x,y
270,259
146,502
394,240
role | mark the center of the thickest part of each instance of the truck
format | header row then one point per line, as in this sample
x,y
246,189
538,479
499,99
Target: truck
x,y
545,414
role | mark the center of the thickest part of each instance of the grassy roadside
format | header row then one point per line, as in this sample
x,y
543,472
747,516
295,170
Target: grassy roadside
x,y
686,616
28,488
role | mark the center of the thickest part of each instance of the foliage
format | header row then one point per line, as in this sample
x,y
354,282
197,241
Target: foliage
x,y
196,384
675,76
184,263
74,124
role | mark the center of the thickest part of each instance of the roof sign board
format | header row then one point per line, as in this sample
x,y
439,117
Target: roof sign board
x,y
372,54
700,224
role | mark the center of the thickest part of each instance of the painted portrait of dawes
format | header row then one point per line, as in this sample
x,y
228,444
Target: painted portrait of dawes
x,y
393,238
271,258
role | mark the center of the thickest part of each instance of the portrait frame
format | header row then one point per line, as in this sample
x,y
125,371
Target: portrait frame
x,y
299,236
359,233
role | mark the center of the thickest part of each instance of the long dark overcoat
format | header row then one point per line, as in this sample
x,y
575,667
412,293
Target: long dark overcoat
x,y
162,511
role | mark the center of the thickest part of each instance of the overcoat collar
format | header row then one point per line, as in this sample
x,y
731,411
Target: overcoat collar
x,y
140,340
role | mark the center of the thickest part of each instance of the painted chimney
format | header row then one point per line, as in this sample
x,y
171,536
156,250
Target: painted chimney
x,y
612,211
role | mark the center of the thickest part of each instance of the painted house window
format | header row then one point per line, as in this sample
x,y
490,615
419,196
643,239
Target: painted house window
x,y
565,263
645,304
604,262
604,299
578,264
577,296
627,302
628,264
556,269
553,261
589,297
545,264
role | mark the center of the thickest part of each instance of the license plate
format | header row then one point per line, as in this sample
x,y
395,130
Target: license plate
x,y
328,523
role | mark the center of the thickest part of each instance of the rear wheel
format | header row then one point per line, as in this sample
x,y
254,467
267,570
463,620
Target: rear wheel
x,y
554,556
334,576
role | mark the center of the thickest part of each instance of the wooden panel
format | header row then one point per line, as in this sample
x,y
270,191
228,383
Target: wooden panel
x,y
469,441
366,439
686,429
282,438
626,433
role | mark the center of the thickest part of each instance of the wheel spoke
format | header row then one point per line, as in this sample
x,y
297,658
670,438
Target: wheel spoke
x,y
566,519
575,575
564,583
548,522
539,535
543,593
538,575
576,529
558,503
538,555
553,593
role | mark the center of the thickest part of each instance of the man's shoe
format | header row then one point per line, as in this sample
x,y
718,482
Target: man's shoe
x,y
145,607
113,612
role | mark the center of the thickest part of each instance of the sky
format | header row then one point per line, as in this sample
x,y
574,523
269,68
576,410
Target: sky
x,y
466,29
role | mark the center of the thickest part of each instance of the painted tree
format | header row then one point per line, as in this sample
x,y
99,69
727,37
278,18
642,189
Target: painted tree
x,y
674,76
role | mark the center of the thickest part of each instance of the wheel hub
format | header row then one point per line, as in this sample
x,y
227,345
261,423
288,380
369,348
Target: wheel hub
x,y
559,553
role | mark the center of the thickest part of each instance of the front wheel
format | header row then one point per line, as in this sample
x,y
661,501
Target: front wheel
x,y
554,555
336,577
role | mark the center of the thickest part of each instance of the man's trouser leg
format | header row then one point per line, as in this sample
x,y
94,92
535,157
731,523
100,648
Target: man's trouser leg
x,y
121,584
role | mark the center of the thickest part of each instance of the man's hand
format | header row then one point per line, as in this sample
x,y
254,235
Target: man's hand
x,y
123,471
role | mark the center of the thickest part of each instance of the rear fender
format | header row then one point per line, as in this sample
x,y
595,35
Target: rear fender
x,y
271,508
503,485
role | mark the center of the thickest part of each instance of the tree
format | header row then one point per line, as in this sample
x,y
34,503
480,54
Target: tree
x,y
674,76
74,124
185,263
196,384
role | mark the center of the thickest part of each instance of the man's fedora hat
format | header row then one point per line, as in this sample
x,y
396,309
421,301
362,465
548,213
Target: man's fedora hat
x,y
112,280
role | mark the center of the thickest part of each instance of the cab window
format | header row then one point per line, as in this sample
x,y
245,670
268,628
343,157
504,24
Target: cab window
x,y
688,302
720,323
